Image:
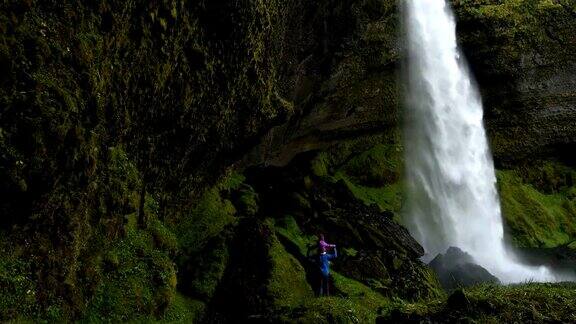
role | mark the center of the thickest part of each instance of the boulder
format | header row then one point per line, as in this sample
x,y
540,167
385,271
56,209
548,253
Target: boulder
x,y
456,268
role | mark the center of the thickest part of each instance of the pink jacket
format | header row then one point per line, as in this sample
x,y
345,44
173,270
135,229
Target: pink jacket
x,y
323,246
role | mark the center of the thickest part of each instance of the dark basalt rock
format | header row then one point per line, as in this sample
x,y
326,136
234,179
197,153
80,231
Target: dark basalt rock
x,y
456,268
458,300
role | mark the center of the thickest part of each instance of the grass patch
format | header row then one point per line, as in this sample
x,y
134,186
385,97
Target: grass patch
x,y
354,303
535,219
523,303
184,310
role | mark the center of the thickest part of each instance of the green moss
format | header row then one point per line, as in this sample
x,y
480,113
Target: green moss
x,y
138,279
163,237
208,269
18,297
350,252
386,197
380,165
184,310
353,289
210,216
535,219
248,202
232,181
550,177
372,175
202,234
287,285
320,164
122,183
515,27
289,229
432,285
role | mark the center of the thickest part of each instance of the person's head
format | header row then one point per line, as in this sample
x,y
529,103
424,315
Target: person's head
x,y
321,237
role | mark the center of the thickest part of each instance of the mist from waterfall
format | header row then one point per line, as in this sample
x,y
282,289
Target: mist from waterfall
x,y
451,184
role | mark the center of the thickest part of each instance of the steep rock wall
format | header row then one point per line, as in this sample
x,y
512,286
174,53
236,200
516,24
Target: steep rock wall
x,y
523,54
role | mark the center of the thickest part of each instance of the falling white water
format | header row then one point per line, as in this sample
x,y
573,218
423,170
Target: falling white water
x,y
452,197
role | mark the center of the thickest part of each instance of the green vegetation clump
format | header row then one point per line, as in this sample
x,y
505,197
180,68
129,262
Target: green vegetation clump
x,y
205,221
18,297
248,201
207,269
373,176
386,198
288,229
163,237
380,165
184,310
138,280
534,218
320,165
352,289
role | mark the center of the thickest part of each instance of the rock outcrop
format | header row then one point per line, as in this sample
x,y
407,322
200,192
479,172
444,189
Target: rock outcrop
x,y
456,268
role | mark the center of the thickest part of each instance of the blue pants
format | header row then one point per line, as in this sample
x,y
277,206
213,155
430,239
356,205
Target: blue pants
x,y
324,279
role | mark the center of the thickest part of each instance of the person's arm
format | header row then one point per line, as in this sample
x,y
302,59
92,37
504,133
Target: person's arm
x,y
333,255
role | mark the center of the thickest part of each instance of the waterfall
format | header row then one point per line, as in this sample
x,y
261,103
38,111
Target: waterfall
x,y
451,184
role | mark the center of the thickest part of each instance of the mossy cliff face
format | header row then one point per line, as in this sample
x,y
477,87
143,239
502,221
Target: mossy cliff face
x,y
120,122
346,88
107,106
523,54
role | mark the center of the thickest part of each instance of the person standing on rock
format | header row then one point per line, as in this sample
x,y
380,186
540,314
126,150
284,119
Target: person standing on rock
x,y
324,260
